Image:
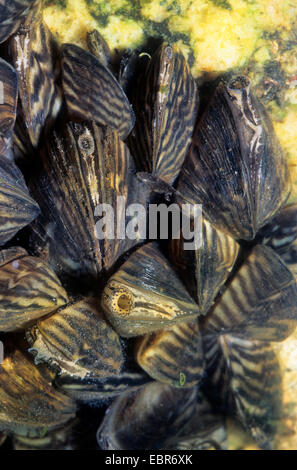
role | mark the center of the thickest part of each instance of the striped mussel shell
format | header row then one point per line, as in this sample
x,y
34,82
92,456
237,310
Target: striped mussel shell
x,y
17,208
146,295
29,404
78,342
206,430
165,99
235,167
146,418
84,165
259,302
281,232
34,54
173,356
8,104
12,15
91,390
29,289
91,91
205,269
244,379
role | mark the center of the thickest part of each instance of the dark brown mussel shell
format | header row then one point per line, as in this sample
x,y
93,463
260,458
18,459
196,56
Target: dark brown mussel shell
x,y
147,418
244,379
34,54
259,302
29,289
82,166
235,167
205,269
29,404
17,208
205,430
165,100
281,231
12,14
8,104
77,341
104,101
173,356
146,295
93,391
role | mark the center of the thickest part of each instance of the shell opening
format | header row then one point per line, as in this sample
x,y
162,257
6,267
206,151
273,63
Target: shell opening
x,y
122,302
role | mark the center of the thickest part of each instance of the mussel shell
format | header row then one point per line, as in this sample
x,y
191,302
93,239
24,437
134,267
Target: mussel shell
x,y
78,342
206,430
92,93
34,54
83,166
8,103
290,258
281,231
12,14
29,289
205,270
145,419
244,379
93,391
235,167
146,295
173,356
165,100
29,404
17,208
259,302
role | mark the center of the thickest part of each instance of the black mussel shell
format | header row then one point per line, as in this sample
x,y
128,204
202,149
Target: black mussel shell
x,y
165,100
235,167
82,166
34,54
92,93
145,419
281,231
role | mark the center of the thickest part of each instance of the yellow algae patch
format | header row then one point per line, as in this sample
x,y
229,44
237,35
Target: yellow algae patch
x,y
221,38
70,24
122,33
274,14
155,10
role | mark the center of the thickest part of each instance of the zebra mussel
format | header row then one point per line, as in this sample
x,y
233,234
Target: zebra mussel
x,y
166,342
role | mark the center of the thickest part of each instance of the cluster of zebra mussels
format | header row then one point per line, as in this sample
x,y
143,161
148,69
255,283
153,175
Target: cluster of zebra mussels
x,y
166,342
